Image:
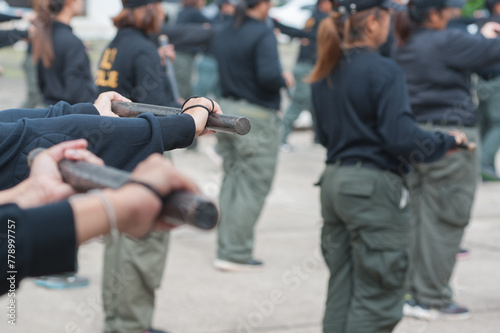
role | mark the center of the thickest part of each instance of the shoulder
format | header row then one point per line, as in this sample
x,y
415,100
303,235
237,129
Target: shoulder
x,y
384,72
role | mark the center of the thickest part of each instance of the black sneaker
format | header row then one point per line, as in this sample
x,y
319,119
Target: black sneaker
x,y
251,265
453,311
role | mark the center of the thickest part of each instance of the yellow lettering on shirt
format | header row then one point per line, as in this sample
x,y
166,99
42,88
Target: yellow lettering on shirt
x,y
108,58
107,79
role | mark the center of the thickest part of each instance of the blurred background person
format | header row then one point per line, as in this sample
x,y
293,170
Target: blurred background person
x,y
63,75
301,97
437,63
488,93
63,65
131,65
251,77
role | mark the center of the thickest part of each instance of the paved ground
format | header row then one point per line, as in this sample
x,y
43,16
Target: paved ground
x,y
289,295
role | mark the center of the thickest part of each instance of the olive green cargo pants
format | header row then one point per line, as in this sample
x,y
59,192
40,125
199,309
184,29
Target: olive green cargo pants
x,y
133,270
442,195
249,167
364,242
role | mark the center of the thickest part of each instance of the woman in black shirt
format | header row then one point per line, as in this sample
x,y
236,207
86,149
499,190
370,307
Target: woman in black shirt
x,y
365,122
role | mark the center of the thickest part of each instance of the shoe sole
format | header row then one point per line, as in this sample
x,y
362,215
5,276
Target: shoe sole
x,y
227,266
419,313
59,286
461,316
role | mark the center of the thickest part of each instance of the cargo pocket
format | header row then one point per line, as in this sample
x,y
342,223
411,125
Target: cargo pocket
x,y
386,258
355,200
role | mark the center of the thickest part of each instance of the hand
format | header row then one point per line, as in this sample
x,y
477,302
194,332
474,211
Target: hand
x,y
167,51
45,184
289,79
460,139
200,115
160,173
490,30
103,103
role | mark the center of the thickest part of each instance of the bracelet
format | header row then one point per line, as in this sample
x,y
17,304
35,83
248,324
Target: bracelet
x,y
196,106
108,207
209,111
149,187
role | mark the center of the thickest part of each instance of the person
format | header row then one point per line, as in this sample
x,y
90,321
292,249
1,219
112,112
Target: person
x,y
301,98
208,75
251,77
132,66
189,14
23,130
44,205
372,139
488,93
437,63
63,64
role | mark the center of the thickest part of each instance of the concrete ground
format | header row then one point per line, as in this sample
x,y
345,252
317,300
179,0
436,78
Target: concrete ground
x,y
288,296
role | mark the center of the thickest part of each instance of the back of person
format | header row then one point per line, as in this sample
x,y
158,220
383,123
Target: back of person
x,y
63,64
131,66
245,75
427,64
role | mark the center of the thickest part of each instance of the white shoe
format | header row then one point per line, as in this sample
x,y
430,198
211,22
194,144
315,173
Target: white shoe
x,y
415,310
229,266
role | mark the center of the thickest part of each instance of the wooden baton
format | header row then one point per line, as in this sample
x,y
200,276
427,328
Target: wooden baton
x,y
216,122
179,207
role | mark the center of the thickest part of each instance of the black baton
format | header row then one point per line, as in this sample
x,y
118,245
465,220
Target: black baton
x,y
216,122
179,207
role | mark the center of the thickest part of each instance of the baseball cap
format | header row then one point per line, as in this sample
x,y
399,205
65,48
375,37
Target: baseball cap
x,y
437,3
137,3
355,6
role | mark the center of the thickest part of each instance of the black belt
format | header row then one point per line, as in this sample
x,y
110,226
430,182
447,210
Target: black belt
x,y
353,161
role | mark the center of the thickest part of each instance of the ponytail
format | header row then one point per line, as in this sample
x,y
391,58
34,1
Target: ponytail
x,y
43,47
240,13
403,28
329,41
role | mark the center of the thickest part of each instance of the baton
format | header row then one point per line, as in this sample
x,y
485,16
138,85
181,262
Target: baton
x,y
470,146
169,69
216,122
179,207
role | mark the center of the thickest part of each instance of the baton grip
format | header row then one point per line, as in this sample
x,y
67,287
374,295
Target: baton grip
x,y
179,207
216,122
470,146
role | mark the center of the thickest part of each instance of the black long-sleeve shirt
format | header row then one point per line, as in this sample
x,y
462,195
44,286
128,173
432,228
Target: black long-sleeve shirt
x,y
10,37
42,242
249,65
189,15
131,66
69,79
121,142
363,113
437,65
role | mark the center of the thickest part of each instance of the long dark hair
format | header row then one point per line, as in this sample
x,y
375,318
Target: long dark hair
x,y
43,47
333,34
240,12
406,22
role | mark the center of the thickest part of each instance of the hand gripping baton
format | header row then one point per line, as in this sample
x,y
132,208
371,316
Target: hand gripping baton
x,y
179,207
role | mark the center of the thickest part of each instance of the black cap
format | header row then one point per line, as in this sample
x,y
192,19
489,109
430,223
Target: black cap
x,y
137,3
355,6
437,3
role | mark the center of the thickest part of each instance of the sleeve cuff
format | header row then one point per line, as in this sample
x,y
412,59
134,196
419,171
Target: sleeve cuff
x,y
52,239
